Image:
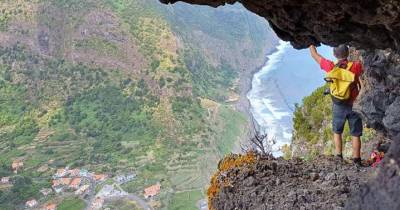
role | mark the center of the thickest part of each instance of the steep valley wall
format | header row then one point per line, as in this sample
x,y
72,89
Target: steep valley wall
x,y
371,25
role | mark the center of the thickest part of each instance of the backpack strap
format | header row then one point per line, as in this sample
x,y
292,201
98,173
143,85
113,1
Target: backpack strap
x,y
349,65
342,63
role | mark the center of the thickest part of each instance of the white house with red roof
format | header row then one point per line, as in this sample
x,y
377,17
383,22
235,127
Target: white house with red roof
x,y
75,183
50,206
17,165
100,177
5,180
31,203
61,172
152,191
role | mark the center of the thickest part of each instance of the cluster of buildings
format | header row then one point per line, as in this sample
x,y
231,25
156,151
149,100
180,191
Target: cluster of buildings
x,y
73,179
16,166
111,191
77,180
33,203
80,182
121,179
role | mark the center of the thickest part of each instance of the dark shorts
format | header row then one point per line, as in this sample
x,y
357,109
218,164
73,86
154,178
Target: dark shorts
x,y
341,113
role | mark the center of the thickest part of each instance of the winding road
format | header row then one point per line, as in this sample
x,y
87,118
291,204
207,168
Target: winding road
x,y
142,204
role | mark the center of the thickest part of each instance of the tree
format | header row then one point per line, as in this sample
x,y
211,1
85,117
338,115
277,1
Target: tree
x,y
259,143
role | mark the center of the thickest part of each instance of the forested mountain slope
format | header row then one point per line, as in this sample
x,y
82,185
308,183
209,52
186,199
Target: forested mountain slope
x,y
121,86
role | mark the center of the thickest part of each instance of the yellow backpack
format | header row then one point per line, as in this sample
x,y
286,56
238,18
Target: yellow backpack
x,y
340,80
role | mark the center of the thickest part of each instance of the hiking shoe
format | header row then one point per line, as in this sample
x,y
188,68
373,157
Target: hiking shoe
x,y
339,158
357,162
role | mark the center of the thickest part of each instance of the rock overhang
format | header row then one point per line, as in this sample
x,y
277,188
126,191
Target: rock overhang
x,y
368,24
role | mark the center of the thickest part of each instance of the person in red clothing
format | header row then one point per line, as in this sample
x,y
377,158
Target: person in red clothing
x,y
344,111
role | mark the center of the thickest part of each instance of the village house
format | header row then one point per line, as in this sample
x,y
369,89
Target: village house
x,y
46,191
203,204
74,172
5,180
100,177
82,189
75,183
124,178
65,181
152,191
84,173
50,206
111,191
58,189
130,176
31,203
56,185
61,172
97,203
17,165
43,168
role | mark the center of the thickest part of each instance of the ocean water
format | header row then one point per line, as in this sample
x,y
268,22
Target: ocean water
x,y
287,77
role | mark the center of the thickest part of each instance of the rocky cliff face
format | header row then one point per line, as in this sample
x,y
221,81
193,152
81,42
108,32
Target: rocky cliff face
x,y
380,101
380,106
365,24
370,25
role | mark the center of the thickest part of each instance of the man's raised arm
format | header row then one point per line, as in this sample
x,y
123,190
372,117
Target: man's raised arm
x,y
317,57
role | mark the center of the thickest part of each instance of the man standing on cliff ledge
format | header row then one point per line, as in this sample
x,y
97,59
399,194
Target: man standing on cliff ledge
x,y
343,110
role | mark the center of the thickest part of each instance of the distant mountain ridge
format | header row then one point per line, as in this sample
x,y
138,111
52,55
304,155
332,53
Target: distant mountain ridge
x,y
118,86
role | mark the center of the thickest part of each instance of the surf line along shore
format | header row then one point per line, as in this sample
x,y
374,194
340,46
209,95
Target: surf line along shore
x,y
288,76
243,104
263,112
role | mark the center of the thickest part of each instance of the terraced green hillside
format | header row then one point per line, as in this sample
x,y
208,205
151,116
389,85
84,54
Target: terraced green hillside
x,y
116,86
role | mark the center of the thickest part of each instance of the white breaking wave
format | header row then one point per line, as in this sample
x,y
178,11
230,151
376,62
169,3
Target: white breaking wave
x,y
287,77
263,105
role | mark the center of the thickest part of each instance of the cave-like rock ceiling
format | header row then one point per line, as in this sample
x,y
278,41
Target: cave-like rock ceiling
x,y
366,24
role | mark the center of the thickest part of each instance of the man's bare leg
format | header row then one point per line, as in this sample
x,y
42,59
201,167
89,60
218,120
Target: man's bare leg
x,y
356,142
337,138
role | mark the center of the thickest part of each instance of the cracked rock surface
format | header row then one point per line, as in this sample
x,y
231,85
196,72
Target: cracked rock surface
x,y
324,183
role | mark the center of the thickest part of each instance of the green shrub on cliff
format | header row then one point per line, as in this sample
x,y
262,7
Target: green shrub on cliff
x,y
312,133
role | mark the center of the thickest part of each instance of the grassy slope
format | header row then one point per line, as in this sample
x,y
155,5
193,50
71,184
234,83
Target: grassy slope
x,y
232,129
186,200
72,204
58,111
